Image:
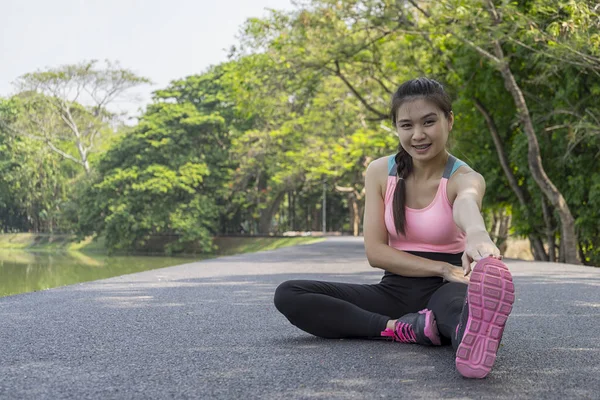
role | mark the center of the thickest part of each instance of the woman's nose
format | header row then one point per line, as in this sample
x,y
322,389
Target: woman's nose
x,y
418,133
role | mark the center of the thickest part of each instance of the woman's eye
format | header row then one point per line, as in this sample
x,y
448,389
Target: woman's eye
x,y
430,122
404,126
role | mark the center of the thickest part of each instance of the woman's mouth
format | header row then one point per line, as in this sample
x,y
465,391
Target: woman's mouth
x,y
422,148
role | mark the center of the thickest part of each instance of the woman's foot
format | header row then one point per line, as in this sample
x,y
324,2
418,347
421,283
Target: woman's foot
x,y
419,328
488,303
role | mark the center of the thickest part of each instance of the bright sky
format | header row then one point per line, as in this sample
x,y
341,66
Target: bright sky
x,y
160,39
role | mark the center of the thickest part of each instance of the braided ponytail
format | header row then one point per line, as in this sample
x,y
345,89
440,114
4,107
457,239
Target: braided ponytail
x,y
405,166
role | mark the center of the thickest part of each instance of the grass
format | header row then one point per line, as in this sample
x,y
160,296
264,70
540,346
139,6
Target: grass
x,y
34,241
226,245
240,245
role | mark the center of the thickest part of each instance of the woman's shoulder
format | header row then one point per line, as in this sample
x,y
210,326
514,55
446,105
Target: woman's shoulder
x,y
463,175
377,173
381,164
458,166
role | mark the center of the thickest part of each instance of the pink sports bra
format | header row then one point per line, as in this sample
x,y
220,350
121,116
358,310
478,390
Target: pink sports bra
x,y
430,229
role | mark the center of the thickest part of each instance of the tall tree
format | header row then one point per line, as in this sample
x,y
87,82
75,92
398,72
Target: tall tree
x,y
169,175
67,108
34,185
497,56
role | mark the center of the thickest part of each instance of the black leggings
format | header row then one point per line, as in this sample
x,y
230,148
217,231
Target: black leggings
x,y
345,310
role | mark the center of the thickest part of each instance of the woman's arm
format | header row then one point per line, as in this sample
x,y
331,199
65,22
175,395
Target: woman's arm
x,y
470,188
379,253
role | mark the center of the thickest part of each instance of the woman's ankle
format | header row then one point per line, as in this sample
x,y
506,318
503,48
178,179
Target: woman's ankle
x,y
391,324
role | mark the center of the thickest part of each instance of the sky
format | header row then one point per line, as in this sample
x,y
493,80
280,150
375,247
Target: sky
x,y
160,39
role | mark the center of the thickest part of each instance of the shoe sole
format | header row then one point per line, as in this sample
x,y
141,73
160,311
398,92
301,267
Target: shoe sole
x,y
431,329
490,297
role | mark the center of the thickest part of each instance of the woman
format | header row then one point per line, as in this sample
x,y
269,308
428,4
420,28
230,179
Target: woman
x,y
422,222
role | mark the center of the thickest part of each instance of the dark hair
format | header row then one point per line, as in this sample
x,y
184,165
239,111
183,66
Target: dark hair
x,y
419,88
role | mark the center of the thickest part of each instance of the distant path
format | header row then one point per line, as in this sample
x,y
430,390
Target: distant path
x,y
210,330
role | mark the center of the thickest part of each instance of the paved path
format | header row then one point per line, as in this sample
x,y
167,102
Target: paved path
x,y
210,330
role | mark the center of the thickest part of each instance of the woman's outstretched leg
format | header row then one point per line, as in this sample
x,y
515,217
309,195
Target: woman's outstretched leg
x,y
480,323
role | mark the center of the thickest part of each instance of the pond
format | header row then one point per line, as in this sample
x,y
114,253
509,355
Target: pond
x,y
22,271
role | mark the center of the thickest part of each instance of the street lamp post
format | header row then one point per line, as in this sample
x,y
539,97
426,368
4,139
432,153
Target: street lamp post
x,y
324,207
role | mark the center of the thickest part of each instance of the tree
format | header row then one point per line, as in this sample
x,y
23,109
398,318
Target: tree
x,y
497,56
156,181
168,176
34,184
323,132
67,107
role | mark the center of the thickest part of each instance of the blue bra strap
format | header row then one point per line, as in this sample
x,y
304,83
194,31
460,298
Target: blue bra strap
x,y
452,165
392,167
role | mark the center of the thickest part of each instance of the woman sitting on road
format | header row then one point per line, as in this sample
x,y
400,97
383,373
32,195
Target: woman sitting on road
x,y
422,222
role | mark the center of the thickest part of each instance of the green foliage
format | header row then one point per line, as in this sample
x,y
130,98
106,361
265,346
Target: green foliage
x,y
372,45
163,178
34,184
66,108
304,99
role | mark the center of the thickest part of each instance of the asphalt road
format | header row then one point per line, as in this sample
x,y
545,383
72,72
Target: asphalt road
x,y
209,330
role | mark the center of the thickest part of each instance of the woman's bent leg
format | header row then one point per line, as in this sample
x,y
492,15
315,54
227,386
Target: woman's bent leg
x,y
337,310
446,304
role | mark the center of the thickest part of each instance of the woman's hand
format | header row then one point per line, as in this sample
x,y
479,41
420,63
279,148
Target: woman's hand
x,y
455,274
479,245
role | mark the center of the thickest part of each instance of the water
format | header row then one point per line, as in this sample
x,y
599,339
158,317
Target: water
x,y
22,272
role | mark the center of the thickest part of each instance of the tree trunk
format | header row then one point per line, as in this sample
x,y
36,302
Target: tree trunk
x,y
361,213
84,157
307,217
351,213
539,253
289,211
293,211
354,197
582,255
500,230
562,252
354,214
266,215
549,232
568,235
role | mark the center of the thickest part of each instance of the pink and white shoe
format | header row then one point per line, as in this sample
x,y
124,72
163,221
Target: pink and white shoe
x,y
419,328
488,303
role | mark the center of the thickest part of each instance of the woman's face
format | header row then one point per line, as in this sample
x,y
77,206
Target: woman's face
x,y
422,128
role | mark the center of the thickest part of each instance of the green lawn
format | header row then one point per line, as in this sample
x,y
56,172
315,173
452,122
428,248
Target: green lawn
x,y
226,245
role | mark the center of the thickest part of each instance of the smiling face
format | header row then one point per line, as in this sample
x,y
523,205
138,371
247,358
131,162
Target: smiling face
x,y
422,128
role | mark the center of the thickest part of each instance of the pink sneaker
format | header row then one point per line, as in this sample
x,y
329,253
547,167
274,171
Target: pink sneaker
x,y
419,328
488,303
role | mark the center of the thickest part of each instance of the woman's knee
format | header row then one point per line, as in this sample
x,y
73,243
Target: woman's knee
x,y
284,296
450,295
